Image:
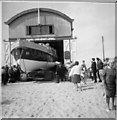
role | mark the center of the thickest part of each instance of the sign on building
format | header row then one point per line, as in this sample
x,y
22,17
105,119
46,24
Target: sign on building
x,y
67,54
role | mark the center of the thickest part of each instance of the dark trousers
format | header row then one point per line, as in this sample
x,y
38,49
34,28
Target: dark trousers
x,y
94,76
5,78
99,76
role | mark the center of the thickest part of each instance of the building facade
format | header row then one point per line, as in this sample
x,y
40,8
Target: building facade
x,y
41,25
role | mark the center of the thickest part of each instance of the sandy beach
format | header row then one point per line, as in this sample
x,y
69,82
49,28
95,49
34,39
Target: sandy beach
x,y
53,100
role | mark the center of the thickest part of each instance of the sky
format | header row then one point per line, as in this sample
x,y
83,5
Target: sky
x,y
91,22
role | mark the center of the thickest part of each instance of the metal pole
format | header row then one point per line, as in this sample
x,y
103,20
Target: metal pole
x,y
103,48
70,49
38,16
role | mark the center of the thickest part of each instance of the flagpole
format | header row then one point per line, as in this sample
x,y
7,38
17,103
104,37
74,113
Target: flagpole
x,y
103,48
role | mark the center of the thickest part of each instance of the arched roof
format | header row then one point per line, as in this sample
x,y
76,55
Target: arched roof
x,y
36,10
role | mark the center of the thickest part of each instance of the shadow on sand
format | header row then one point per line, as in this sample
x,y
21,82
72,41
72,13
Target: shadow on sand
x,y
87,88
6,102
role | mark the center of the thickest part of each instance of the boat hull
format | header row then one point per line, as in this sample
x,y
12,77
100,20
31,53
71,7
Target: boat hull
x,y
31,65
31,56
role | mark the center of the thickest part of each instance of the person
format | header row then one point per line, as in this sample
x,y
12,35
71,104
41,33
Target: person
x,y
90,73
94,69
5,75
99,69
15,72
109,78
106,62
2,74
75,75
18,72
83,71
11,75
61,71
115,62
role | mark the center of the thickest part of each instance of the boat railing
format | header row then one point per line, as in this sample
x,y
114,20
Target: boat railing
x,y
53,51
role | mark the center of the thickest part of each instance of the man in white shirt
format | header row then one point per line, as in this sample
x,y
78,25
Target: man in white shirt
x,y
75,75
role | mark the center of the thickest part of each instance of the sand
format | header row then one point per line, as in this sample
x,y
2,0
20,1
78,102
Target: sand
x,y
53,100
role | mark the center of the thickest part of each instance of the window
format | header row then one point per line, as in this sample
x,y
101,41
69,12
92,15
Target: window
x,y
51,29
40,30
35,30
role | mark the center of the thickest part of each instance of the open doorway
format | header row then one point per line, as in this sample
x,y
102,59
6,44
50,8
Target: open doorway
x,y
58,46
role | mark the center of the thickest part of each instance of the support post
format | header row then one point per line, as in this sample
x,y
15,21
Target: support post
x,y
10,52
70,49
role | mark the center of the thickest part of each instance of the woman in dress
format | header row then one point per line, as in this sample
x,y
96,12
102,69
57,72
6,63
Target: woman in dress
x,y
109,76
75,75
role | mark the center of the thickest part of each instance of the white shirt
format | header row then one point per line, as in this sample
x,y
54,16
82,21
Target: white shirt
x,y
75,70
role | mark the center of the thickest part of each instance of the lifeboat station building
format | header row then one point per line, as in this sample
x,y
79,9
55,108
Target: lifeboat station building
x,y
42,25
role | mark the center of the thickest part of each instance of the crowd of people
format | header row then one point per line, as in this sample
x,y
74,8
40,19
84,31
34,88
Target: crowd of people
x,y
97,69
100,71
10,74
61,72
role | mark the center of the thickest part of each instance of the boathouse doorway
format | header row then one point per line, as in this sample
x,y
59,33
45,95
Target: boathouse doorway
x,y
58,46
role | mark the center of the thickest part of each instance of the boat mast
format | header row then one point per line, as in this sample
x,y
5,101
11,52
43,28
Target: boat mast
x,y
103,48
